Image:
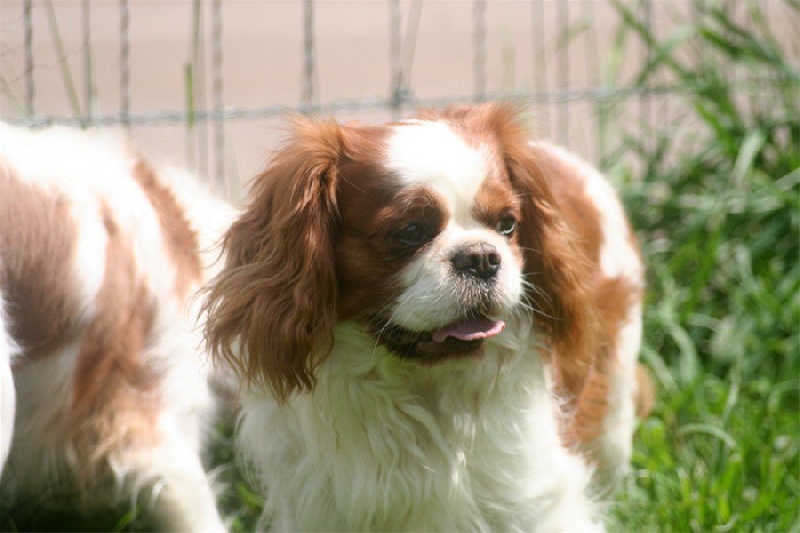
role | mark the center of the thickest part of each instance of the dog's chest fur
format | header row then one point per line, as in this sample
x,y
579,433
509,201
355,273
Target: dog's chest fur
x,y
382,445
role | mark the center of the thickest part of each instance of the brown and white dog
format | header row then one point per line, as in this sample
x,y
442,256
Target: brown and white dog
x,y
439,323
99,257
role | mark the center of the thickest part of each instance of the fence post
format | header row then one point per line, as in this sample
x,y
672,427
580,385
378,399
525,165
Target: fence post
x,y
88,65
479,50
30,88
219,98
395,44
563,77
124,64
645,101
539,67
309,59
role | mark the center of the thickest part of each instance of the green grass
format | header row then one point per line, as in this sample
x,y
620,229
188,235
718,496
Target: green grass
x,y
717,208
715,199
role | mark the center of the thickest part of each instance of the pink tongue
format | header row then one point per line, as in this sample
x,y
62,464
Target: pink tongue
x,y
471,329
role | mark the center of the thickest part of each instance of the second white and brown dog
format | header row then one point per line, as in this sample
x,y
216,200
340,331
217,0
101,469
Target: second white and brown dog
x,y
100,254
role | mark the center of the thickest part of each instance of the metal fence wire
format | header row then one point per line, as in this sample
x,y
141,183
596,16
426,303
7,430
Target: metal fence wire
x,y
558,82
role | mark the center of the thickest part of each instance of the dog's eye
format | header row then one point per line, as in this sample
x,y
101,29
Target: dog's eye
x,y
414,234
506,226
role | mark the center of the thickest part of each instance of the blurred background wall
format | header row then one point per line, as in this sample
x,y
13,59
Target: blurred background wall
x,y
206,83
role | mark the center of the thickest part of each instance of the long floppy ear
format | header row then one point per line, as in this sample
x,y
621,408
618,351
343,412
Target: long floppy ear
x,y
272,308
559,274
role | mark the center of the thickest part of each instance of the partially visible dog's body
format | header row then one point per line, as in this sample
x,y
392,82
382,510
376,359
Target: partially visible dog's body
x,y
100,255
439,322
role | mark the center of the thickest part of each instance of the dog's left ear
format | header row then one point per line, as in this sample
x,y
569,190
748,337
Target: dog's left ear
x,y
559,275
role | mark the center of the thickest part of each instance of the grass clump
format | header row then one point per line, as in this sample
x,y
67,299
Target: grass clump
x,y
718,210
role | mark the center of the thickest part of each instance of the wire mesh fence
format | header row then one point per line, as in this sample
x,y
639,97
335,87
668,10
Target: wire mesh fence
x,y
566,60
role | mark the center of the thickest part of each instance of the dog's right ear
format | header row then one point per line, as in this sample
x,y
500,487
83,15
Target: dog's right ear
x,y
271,310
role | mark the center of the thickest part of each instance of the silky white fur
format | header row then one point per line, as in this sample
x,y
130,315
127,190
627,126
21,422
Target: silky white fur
x,y
90,172
457,447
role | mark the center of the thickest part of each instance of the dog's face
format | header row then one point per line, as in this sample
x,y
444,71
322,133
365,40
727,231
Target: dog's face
x,y
427,250
429,234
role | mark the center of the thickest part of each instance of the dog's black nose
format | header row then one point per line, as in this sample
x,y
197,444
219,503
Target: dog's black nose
x,y
477,260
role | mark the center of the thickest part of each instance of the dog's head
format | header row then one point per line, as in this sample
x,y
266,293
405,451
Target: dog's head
x,y
429,234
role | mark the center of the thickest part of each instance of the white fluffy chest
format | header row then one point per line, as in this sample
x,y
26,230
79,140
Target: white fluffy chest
x,y
378,447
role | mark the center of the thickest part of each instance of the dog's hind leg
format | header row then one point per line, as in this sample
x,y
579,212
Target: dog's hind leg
x,y
182,495
7,391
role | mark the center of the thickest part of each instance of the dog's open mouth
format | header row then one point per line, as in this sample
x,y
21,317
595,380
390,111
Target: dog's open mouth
x,y
464,337
469,329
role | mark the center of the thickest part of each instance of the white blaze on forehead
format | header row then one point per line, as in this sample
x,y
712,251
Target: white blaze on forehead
x,y
432,154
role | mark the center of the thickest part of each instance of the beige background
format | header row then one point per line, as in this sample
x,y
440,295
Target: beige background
x,y
263,63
